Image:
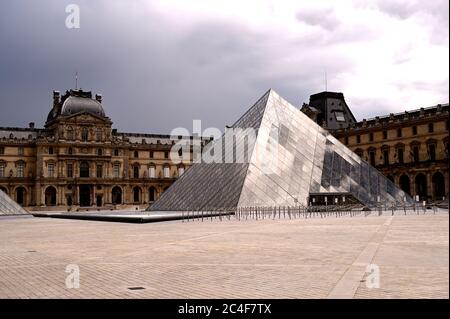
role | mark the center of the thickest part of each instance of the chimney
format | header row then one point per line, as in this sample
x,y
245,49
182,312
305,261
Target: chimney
x,y
98,97
56,98
31,125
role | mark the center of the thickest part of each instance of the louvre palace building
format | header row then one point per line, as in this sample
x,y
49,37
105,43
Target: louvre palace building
x,y
78,161
410,148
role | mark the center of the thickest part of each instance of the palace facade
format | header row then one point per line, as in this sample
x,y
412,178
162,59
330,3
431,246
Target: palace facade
x,y
79,161
410,148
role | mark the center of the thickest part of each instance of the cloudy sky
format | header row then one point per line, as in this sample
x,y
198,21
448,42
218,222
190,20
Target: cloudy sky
x,y
161,64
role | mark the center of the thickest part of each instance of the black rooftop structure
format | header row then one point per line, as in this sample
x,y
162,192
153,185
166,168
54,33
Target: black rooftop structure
x,y
331,110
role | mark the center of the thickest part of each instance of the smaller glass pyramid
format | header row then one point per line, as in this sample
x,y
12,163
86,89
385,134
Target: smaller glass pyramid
x,y
275,155
9,206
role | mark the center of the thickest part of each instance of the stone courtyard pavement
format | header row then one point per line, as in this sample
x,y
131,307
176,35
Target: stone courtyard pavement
x,y
313,258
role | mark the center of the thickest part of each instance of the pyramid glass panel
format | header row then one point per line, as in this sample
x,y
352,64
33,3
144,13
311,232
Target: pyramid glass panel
x,y
9,207
288,159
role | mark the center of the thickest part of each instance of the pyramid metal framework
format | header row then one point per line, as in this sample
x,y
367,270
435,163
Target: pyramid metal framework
x,y
290,158
9,207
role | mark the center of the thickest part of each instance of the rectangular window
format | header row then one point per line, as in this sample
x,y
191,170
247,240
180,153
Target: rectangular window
x,y
430,128
2,150
99,171
151,154
135,172
20,170
400,155
2,170
166,155
116,170
166,172
432,152
98,135
371,137
414,130
358,139
385,134
69,169
339,116
386,157
51,170
20,151
151,172
346,140
399,132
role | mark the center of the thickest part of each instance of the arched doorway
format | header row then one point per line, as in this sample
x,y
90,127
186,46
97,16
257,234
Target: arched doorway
x,y
3,190
85,195
152,194
421,186
438,185
405,184
20,195
136,194
50,196
116,195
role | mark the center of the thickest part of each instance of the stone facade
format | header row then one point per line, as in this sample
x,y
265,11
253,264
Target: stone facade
x,y
79,161
410,148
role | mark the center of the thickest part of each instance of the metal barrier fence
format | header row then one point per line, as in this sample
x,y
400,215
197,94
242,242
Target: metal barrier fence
x,y
298,212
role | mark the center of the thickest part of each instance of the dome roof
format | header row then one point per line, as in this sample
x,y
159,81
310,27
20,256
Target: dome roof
x,y
77,104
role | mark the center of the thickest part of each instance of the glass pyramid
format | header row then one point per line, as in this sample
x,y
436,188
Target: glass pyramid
x,y
275,155
9,206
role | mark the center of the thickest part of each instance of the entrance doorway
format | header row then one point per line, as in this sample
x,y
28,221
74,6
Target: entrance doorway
x,y
85,195
99,201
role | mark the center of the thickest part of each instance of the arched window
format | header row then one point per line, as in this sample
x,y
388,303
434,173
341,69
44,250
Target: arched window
x,y
116,195
50,196
421,186
50,150
136,154
84,169
84,134
405,184
20,196
438,185
3,190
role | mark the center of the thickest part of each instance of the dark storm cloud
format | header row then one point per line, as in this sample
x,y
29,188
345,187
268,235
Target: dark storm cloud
x,y
156,71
